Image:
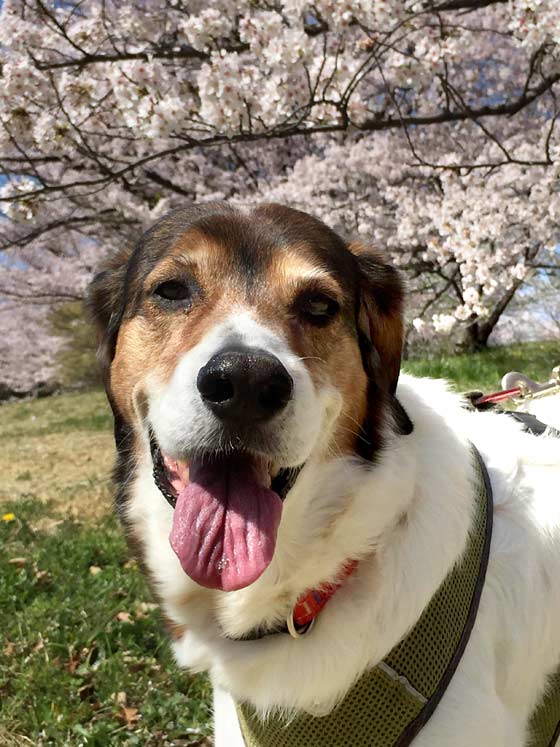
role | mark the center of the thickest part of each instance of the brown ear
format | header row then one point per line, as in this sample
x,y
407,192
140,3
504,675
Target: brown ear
x,y
105,304
380,316
381,325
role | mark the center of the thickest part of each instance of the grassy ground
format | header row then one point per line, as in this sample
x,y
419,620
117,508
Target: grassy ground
x,y
58,449
485,370
83,659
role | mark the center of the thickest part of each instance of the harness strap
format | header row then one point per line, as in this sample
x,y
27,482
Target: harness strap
x,y
530,423
544,726
395,699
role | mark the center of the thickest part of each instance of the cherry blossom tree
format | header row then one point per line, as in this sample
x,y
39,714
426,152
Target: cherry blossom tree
x,y
428,128
468,242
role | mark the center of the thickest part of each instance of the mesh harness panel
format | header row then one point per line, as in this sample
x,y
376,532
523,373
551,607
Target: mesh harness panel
x,y
544,728
390,704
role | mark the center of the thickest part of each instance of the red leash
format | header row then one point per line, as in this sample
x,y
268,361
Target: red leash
x,y
498,396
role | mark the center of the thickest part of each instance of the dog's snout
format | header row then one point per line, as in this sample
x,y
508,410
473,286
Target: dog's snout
x,y
244,386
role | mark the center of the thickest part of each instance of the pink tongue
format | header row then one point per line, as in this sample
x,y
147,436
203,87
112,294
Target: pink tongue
x,y
225,525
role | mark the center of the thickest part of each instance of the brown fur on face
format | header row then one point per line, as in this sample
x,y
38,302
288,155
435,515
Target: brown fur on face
x,y
268,261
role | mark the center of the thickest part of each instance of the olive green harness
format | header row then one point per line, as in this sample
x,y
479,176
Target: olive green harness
x,y
391,703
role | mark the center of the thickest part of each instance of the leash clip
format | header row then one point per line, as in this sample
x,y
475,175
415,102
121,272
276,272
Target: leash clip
x,y
295,632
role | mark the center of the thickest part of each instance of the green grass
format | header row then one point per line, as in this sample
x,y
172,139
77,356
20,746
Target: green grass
x,y
484,370
65,413
74,641
36,461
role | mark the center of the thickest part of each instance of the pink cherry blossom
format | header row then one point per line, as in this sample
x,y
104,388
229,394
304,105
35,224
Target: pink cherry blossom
x,y
427,128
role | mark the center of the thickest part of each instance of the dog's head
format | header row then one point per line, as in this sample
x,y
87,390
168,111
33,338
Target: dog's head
x,y
236,347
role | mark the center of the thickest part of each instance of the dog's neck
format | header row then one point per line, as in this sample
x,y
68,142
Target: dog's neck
x,y
339,510
335,513
384,515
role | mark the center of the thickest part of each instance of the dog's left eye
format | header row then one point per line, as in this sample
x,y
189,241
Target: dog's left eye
x,y
318,308
173,290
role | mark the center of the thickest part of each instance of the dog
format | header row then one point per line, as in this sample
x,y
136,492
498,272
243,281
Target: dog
x,y
266,438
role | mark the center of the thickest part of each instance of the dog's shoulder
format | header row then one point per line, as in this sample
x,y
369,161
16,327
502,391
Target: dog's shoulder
x,y
520,606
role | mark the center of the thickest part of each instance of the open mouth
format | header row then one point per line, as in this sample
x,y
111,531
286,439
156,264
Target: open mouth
x,y
227,512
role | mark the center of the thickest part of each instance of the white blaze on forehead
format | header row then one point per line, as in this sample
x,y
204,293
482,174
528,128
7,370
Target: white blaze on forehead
x,y
241,328
181,422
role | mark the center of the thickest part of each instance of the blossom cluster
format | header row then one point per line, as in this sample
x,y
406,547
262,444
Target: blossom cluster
x,y
463,239
224,67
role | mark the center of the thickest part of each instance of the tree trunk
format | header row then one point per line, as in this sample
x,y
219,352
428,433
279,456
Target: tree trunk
x,y
475,338
479,330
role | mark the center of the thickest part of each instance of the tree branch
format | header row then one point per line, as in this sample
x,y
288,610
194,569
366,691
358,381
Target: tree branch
x,y
95,219
505,109
452,5
163,182
184,53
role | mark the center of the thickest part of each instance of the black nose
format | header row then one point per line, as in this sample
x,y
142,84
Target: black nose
x,y
244,385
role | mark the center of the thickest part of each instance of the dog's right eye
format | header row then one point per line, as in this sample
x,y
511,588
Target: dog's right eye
x,y
317,308
173,290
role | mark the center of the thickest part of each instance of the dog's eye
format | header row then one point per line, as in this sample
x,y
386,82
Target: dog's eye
x,y
173,290
318,308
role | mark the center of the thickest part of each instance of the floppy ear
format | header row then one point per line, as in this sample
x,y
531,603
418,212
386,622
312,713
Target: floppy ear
x,y
380,325
105,304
